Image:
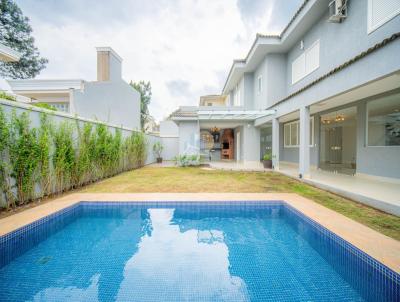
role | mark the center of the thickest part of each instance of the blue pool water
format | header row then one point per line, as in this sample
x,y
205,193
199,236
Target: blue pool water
x,y
186,252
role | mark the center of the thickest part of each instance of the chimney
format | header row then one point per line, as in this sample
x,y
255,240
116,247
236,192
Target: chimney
x,y
108,64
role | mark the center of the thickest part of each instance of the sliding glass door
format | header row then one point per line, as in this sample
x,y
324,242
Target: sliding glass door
x,y
338,139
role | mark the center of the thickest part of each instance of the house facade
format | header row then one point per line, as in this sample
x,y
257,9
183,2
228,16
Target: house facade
x,y
109,99
8,54
323,94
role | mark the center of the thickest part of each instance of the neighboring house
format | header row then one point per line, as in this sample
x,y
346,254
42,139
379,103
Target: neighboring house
x,y
324,93
109,99
8,54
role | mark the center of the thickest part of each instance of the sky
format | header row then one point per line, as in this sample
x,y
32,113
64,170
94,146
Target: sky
x,y
184,48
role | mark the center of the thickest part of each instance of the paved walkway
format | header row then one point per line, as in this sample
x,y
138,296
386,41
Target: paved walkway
x,y
383,195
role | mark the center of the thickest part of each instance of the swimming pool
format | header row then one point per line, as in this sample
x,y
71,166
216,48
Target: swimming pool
x,y
186,251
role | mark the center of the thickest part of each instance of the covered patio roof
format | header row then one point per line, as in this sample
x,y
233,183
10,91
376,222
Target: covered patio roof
x,y
246,115
220,114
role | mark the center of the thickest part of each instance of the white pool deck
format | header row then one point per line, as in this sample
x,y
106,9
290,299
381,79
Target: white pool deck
x,y
382,248
378,193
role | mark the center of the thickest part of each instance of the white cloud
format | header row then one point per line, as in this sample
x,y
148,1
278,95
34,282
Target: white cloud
x,y
183,41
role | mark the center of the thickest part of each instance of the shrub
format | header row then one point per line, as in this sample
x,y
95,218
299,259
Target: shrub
x,y
186,160
6,196
157,149
24,156
63,156
45,143
267,156
52,158
136,150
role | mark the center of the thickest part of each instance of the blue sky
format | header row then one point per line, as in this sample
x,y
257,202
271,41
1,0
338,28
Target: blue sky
x,y
184,47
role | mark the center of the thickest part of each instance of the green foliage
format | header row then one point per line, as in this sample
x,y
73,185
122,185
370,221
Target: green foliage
x,y
157,149
44,106
15,32
267,156
187,160
6,96
53,158
144,88
45,144
6,196
85,154
135,150
63,156
24,156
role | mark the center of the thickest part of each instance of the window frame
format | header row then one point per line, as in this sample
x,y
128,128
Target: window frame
x,y
237,95
371,27
312,128
304,54
367,129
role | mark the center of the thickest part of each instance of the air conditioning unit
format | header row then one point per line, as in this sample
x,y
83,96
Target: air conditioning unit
x,y
337,11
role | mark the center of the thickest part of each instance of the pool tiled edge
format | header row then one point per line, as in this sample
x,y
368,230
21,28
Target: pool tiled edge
x,y
364,239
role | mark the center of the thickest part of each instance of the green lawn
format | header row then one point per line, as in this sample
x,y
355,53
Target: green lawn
x,y
172,179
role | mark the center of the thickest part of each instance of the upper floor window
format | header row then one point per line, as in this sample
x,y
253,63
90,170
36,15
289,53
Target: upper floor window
x,y
236,96
306,63
380,12
259,84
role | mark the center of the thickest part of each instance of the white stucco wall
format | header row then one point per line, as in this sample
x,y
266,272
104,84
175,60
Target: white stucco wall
x,y
189,137
114,102
169,129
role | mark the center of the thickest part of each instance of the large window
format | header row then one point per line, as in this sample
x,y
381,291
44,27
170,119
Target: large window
x,y
259,84
237,96
380,12
306,63
291,133
384,121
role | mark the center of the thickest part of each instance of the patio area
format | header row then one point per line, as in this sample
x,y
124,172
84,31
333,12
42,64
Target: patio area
x,y
380,194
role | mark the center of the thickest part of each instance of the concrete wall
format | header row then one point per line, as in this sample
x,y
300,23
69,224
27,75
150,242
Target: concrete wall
x,y
260,99
114,102
250,141
169,129
115,68
58,117
169,134
273,72
276,79
248,94
189,137
171,147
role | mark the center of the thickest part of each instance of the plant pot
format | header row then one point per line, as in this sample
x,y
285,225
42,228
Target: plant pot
x,y
159,160
267,164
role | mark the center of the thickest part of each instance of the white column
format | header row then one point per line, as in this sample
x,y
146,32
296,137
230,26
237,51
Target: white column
x,y
275,144
304,148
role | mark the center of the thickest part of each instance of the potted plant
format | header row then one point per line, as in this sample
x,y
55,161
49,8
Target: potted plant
x,y
267,161
157,149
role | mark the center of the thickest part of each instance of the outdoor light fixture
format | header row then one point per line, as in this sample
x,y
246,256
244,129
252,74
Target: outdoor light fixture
x,y
339,118
215,129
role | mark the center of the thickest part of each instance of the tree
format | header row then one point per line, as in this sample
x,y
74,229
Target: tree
x,y
144,88
15,32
